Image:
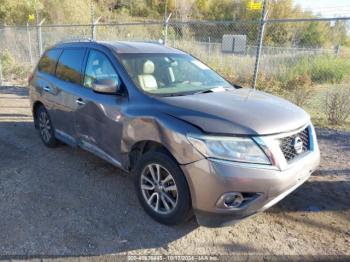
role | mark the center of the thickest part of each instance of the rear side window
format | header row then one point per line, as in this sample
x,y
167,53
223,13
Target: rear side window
x,y
70,64
48,61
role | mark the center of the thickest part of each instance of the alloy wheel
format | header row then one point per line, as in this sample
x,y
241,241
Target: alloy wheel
x,y
159,188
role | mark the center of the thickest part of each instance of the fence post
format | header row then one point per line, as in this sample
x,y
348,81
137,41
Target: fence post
x,y
337,50
260,43
92,20
1,76
166,26
209,46
29,45
40,39
93,28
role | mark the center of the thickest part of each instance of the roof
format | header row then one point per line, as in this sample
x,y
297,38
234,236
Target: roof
x,y
124,47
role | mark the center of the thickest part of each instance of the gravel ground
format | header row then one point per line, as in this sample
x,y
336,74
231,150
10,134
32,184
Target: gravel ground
x,y
67,203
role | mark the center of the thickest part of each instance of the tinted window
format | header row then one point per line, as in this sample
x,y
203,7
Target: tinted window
x,y
48,61
69,65
98,67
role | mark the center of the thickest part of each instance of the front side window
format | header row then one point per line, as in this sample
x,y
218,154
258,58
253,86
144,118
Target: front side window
x,y
170,74
99,67
47,63
70,64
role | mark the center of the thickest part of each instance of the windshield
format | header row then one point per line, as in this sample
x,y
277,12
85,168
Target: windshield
x,y
171,74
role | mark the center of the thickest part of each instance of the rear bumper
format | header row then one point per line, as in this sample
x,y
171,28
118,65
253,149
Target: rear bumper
x,y
209,180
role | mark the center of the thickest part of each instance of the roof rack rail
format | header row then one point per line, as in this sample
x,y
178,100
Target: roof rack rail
x,y
73,39
159,42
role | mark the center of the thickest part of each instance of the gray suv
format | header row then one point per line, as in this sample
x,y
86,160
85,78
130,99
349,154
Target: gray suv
x,y
195,143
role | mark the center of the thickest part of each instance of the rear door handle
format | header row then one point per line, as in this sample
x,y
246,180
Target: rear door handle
x,y
47,89
80,101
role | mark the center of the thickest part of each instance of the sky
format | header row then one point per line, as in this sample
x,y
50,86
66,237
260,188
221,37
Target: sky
x,y
327,8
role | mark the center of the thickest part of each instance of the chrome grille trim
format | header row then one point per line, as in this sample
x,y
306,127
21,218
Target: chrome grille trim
x,y
286,144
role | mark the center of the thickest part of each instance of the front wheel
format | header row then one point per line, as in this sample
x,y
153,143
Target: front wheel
x,y
162,188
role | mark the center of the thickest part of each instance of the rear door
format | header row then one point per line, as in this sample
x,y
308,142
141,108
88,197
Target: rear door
x,y
66,90
44,81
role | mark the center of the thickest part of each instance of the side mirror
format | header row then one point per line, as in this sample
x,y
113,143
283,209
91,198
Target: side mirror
x,y
106,86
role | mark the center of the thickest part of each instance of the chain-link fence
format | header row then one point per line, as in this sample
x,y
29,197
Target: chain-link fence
x,y
289,48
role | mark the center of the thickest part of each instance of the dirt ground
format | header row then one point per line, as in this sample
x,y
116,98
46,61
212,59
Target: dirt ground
x,y
67,203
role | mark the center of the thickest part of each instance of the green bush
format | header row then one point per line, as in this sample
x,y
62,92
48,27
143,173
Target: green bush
x,y
7,62
299,90
337,105
321,69
268,83
329,69
11,69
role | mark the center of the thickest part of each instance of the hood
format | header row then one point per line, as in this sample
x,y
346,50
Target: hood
x,y
239,111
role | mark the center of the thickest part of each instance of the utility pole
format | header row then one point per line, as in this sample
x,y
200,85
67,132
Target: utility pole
x,y
260,42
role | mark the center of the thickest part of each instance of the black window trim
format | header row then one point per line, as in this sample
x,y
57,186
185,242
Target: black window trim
x,y
81,67
58,58
123,86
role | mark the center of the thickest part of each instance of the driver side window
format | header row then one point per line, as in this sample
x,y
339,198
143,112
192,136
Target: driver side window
x,y
98,67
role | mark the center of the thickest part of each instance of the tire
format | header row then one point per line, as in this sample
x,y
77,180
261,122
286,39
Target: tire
x,y
45,128
167,213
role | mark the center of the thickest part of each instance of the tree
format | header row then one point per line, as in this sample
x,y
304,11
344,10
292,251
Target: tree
x,y
313,35
339,32
184,9
16,12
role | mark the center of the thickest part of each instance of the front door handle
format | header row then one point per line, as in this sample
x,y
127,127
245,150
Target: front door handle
x,y
80,101
47,89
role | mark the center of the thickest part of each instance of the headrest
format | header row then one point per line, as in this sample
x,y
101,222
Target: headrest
x,y
148,67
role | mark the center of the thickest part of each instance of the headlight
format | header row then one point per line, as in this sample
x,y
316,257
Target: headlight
x,y
241,149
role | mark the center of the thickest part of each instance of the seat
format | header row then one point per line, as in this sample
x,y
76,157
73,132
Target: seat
x,y
146,80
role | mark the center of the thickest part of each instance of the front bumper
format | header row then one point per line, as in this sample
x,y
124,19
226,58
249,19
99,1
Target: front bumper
x,y
210,179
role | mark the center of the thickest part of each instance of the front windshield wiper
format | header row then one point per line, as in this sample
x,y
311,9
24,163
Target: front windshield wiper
x,y
212,90
173,94
204,91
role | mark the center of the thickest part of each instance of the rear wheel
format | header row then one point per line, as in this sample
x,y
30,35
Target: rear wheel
x,y
45,127
162,188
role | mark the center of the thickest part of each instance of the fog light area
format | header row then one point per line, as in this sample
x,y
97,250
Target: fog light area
x,y
234,200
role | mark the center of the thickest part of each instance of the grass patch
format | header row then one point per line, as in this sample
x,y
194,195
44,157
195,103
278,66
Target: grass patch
x,y
321,69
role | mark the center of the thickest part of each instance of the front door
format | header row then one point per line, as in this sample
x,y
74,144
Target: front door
x,y
99,116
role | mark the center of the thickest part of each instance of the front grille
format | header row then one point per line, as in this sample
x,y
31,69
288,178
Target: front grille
x,y
287,144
